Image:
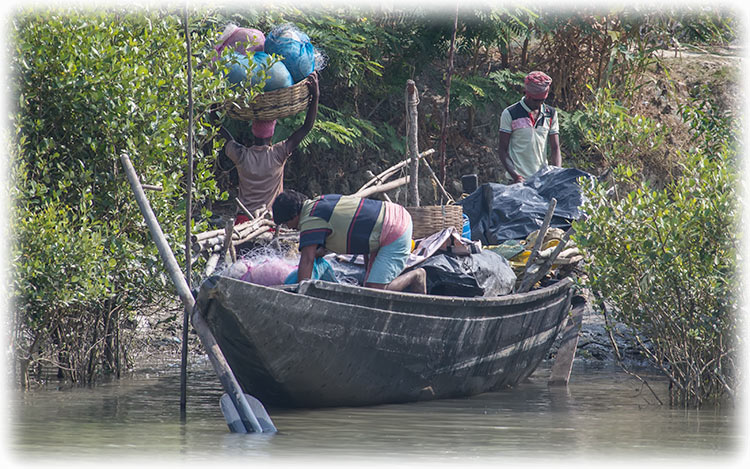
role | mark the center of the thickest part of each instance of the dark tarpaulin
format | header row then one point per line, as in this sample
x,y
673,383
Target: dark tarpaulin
x,y
499,212
478,274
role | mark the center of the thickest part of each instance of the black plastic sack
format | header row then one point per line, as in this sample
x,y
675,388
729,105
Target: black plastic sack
x,y
483,274
499,212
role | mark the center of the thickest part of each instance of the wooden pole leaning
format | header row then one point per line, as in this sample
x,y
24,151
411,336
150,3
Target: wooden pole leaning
x,y
219,363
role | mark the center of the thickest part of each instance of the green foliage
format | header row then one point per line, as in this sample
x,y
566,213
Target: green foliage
x,y
607,128
89,86
667,260
712,128
707,26
497,90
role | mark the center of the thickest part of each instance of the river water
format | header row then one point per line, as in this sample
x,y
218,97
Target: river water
x,y
603,416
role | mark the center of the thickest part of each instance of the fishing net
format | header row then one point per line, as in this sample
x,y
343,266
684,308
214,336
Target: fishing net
x,y
263,266
266,265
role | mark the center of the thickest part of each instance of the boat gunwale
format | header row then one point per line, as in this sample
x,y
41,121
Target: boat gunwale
x,y
477,302
504,300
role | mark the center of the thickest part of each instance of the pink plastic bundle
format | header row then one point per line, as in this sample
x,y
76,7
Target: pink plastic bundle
x,y
244,40
268,271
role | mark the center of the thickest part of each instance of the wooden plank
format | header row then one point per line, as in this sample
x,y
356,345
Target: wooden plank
x,y
525,283
563,363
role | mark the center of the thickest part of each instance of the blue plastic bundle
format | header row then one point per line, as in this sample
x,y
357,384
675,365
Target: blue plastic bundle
x,y
296,49
277,76
322,270
238,65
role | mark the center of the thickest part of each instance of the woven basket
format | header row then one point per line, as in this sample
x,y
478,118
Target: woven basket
x,y
273,104
431,219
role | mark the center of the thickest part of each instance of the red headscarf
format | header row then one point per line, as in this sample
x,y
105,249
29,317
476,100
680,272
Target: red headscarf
x,y
537,85
263,129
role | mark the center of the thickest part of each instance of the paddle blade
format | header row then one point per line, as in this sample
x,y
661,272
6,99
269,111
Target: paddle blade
x,y
231,415
261,414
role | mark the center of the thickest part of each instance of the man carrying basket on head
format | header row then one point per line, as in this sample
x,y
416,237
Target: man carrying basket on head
x,y
260,167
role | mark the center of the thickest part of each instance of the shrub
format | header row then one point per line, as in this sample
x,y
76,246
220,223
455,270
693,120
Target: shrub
x,y
667,262
88,86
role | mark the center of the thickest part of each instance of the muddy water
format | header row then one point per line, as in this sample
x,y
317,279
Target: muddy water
x,y
603,415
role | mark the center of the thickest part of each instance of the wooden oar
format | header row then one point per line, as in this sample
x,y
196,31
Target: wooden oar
x,y
241,406
235,421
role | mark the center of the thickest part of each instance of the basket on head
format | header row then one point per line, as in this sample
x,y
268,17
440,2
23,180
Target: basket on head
x,y
431,219
274,104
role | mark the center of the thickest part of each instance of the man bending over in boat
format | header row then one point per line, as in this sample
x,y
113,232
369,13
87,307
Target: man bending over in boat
x,y
344,224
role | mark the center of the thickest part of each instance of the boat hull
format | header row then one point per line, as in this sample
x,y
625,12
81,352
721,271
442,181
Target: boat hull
x,y
333,345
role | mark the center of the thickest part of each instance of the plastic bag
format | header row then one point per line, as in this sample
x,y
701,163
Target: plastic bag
x,y
238,65
322,270
294,46
498,212
277,76
483,274
346,272
244,40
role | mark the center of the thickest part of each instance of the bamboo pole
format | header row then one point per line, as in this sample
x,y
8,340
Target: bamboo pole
x,y
243,208
447,196
230,256
412,99
188,217
383,187
219,363
446,109
382,177
532,277
524,286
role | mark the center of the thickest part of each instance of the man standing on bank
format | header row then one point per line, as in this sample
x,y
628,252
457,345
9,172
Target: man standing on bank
x,y
528,129
345,224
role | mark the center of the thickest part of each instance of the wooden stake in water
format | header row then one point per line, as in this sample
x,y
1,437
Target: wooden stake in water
x,y
188,218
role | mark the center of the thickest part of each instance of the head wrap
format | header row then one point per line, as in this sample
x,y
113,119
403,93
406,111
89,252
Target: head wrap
x,y
537,85
263,129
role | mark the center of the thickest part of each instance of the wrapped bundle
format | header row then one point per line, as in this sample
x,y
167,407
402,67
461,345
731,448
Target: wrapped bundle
x,y
244,40
296,49
277,76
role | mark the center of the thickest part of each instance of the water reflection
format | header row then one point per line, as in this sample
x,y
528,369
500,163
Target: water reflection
x,y
602,413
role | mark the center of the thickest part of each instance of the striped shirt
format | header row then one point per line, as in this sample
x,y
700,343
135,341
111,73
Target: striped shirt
x,y
350,225
528,137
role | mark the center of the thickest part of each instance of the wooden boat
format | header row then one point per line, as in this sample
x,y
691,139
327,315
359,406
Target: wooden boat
x,y
320,344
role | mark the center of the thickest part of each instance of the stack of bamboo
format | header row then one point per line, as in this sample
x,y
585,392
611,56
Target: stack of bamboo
x,y
216,244
213,241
